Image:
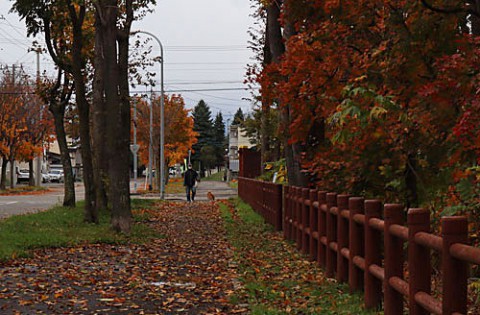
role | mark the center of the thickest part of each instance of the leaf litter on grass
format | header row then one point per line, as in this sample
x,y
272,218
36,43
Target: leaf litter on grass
x,y
188,271
277,278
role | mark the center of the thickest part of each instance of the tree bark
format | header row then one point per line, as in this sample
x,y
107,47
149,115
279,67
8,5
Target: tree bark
x,y
99,120
91,211
12,172
118,108
411,181
31,179
264,130
123,217
3,178
57,108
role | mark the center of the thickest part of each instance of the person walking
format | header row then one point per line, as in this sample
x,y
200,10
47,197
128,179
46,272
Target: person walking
x,y
189,181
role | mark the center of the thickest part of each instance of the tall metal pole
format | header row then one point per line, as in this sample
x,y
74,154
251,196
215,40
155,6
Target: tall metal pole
x,y
162,129
135,147
38,173
162,118
150,148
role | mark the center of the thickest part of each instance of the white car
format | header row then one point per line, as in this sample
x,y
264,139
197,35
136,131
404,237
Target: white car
x,y
56,175
23,175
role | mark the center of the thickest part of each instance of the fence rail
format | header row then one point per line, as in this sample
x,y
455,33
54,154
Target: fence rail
x,y
265,198
362,242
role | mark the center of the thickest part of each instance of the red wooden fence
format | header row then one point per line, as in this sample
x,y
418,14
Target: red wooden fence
x,y
344,235
264,197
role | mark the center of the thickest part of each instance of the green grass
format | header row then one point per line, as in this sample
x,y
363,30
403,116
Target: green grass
x,y
276,278
60,227
218,177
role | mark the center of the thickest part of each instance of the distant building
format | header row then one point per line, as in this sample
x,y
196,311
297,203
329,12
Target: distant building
x,y
53,156
236,140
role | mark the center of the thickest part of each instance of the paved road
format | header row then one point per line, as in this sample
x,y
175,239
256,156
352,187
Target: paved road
x,y
21,204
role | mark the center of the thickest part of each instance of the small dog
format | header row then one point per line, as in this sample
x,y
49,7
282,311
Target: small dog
x,y
210,196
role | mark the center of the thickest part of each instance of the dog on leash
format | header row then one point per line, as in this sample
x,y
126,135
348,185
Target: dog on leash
x,y
211,196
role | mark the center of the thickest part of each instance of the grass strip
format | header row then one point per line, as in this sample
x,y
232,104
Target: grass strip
x,y
61,226
217,177
276,278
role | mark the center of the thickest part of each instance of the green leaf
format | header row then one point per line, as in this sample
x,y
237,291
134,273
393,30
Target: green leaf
x,y
453,210
377,111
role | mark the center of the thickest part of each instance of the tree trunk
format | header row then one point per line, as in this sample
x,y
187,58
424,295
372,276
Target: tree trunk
x,y
3,177
411,181
277,49
58,111
99,121
124,213
118,118
31,178
264,130
12,173
91,211
475,20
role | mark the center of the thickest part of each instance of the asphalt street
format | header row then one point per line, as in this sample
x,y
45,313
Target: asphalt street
x,y
22,204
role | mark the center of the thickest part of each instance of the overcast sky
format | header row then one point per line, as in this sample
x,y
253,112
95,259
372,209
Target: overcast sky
x,y
205,45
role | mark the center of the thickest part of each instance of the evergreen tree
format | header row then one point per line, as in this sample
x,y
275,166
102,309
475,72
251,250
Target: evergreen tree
x,y
202,124
239,117
220,140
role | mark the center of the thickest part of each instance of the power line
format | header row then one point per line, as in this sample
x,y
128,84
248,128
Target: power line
x,y
203,82
213,96
208,90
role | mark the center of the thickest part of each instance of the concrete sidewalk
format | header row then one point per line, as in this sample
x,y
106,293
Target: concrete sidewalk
x,y
220,190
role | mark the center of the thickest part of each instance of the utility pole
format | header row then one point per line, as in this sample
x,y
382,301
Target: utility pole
x,y
13,173
38,159
134,148
150,148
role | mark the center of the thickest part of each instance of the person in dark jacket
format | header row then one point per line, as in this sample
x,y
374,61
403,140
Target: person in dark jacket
x,y
189,181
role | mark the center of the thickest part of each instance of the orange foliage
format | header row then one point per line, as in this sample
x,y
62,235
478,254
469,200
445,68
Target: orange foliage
x,y
179,134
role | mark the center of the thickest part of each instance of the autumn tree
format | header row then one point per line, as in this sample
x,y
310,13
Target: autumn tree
x,y
179,134
12,120
67,26
354,83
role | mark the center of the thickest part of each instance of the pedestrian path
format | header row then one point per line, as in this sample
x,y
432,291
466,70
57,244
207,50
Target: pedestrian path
x,y
221,190
189,269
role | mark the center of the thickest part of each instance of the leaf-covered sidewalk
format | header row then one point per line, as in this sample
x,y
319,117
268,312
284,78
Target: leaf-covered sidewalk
x,y
188,271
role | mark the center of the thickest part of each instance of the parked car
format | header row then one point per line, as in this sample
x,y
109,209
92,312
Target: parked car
x,y
56,175
45,178
23,175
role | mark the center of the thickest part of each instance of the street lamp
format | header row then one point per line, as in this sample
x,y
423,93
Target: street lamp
x,y
162,118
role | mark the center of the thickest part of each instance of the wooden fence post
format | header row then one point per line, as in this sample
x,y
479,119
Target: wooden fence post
x,y
314,235
419,266
373,237
342,239
454,271
287,217
355,275
331,265
298,215
394,257
305,221
322,228
278,189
